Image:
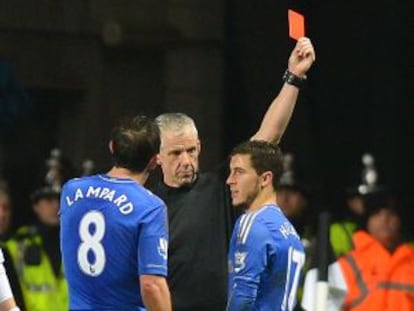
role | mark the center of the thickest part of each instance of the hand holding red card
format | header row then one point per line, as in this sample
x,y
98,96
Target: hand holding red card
x,y
302,57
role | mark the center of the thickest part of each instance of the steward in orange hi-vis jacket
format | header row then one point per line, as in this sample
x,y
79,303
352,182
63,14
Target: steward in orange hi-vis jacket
x,y
379,272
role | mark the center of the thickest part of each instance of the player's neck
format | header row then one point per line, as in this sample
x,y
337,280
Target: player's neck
x,y
264,197
120,172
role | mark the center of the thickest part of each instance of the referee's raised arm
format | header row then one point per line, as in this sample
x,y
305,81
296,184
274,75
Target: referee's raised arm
x,y
280,111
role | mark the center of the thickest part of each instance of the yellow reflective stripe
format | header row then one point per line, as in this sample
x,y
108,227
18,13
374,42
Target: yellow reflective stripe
x,y
397,286
38,288
360,282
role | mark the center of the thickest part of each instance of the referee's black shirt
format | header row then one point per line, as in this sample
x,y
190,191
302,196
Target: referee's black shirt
x,y
200,225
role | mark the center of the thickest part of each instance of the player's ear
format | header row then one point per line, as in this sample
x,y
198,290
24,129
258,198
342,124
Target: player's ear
x,y
153,163
157,159
267,178
111,146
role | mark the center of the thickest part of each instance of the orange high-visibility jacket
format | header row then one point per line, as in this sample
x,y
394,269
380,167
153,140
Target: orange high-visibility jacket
x,y
377,279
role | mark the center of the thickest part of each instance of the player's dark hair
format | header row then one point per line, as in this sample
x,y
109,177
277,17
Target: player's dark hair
x,y
264,156
134,142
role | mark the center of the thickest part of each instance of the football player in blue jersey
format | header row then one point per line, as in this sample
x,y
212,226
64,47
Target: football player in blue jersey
x,y
265,255
114,232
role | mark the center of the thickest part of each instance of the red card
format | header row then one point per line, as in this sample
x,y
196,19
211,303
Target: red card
x,y
296,25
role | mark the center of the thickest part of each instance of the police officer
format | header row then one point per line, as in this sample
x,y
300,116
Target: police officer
x,y
35,250
36,255
357,199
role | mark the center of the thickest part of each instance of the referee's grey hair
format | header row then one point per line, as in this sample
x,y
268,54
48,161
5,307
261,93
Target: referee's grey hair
x,y
177,122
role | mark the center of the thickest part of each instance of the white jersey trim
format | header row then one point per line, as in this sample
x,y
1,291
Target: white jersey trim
x,y
117,181
247,220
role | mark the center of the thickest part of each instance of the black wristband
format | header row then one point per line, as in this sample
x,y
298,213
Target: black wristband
x,y
292,79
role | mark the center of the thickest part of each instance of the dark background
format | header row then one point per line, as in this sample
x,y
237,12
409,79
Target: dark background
x,y
63,83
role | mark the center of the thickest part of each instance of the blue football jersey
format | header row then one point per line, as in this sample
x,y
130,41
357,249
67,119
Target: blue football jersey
x,y
112,231
265,262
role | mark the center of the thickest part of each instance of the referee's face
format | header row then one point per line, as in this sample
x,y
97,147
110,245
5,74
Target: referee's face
x,y
178,157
